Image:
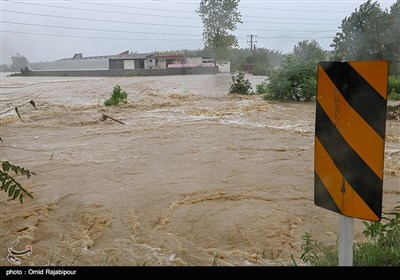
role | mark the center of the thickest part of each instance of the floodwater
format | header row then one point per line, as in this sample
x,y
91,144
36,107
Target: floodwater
x,y
194,176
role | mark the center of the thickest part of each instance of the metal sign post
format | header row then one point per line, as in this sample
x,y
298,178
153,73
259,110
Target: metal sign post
x,y
346,233
351,105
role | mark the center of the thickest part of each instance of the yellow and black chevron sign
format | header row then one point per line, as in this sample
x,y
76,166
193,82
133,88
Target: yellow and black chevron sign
x,y
350,137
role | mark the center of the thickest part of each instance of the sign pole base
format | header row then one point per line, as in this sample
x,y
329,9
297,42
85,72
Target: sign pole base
x,y
346,234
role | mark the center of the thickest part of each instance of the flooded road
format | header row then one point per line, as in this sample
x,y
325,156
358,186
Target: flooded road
x,y
195,176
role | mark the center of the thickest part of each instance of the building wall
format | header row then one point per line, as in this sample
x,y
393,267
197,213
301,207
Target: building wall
x,y
126,73
161,63
89,64
116,64
139,64
129,64
151,63
194,60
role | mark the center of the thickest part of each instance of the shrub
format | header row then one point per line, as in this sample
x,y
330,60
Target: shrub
x,y
260,69
240,85
394,88
262,88
278,86
382,247
297,77
296,80
118,96
317,253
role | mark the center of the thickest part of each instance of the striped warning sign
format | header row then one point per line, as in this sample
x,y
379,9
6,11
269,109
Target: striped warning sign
x,y
349,137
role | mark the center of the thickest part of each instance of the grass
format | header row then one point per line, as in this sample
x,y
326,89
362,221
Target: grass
x,y
381,248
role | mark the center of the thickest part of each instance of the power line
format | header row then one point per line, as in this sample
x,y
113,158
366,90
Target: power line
x,y
159,24
141,39
164,10
296,23
294,10
95,37
274,9
103,20
101,30
130,7
102,11
244,7
152,15
293,37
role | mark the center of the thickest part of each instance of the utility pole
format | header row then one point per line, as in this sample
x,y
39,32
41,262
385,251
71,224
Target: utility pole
x,y
252,46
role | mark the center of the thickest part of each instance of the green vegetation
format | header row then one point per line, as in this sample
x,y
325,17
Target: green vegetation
x,y
264,59
240,85
381,248
260,69
262,88
297,78
394,88
118,96
219,18
370,33
18,63
12,186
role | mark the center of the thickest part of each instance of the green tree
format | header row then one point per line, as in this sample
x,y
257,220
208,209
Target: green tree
x,y
296,79
18,62
309,50
370,33
219,17
391,39
265,60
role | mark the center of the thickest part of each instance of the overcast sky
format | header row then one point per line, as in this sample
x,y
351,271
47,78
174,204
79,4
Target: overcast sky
x,y
50,30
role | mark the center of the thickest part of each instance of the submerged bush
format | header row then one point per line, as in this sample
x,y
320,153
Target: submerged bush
x,y
262,88
118,96
240,85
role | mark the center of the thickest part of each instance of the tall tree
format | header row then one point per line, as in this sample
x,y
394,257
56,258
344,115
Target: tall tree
x,y
391,39
309,50
370,33
296,79
219,17
18,62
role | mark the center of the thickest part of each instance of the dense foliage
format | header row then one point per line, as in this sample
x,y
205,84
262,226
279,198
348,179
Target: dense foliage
x,y
370,33
296,79
240,85
394,88
219,17
118,96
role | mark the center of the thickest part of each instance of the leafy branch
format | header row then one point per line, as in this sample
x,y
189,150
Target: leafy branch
x,y
10,185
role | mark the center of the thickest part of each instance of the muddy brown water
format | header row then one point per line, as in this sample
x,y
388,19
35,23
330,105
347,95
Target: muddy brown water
x,y
195,176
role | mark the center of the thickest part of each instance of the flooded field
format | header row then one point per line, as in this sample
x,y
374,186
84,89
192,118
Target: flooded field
x,y
194,176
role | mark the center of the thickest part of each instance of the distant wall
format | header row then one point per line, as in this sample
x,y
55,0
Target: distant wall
x,y
81,64
126,72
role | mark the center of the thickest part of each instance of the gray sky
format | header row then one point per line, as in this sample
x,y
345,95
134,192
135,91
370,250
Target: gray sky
x,y
50,30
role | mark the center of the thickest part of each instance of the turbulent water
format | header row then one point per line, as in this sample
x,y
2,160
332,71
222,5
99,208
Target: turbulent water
x,y
194,176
